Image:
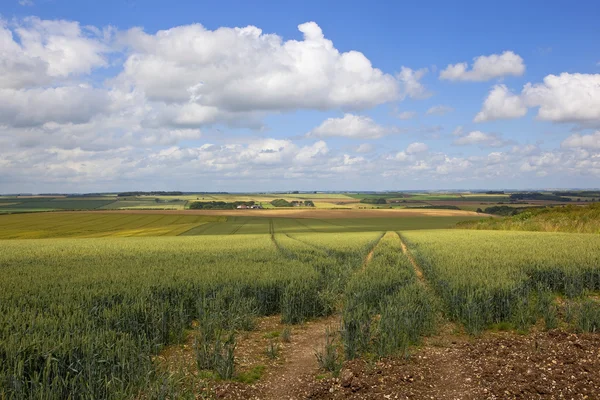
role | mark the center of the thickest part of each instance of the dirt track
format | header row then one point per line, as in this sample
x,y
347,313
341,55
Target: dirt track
x,y
314,213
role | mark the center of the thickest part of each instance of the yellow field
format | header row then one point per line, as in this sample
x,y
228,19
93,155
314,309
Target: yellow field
x,y
96,224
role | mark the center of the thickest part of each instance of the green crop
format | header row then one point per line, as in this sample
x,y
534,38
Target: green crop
x,y
82,318
488,277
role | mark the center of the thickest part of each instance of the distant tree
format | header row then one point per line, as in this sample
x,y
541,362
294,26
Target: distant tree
x,y
374,201
281,203
479,210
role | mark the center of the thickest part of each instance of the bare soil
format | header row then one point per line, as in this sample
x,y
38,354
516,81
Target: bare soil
x,y
543,365
313,213
450,365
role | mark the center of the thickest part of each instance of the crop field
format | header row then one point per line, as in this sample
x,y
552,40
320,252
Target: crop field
x,y
55,225
136,203
96,310
97,224
10,205
493,277
89,301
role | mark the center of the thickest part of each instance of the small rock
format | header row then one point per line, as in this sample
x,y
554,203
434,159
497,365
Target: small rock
x,y
346,377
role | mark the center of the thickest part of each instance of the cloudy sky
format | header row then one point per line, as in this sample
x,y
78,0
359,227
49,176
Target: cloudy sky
x,y
248,96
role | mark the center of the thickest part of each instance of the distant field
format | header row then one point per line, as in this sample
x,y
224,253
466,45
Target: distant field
x,y
309,212
145,203
82,224
132,223
48,204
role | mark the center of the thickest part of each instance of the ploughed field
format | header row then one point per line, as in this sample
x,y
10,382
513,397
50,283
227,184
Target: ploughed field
x,y
409,311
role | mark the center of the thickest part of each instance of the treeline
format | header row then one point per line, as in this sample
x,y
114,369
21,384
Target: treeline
x,y
537,196
374,201
571,218
502,210
294,203
218,205
159,193
584,193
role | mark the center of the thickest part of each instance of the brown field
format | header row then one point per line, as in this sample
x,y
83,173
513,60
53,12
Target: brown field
x,y
311,213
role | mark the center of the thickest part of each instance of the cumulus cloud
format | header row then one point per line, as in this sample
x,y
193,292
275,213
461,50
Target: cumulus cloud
x,y
439,110
26,3
242,69
64,125
410,85
481,139
566,98
351,126
501,103
47,50
563,98
485,68
577,140
34,107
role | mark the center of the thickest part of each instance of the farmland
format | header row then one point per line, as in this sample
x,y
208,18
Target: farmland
x,y
93,304
326,201
146,223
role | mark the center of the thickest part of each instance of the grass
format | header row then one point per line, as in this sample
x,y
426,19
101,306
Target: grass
x,y
575,219
251,376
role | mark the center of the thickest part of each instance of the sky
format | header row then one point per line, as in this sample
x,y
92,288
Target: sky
x,y
117,95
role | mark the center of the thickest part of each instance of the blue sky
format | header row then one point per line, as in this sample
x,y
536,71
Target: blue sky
x,y
187,95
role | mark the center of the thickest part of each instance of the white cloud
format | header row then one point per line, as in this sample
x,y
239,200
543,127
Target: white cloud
x,y
577,140
243,69
404,115
36,107
480,138
566,98
485,68
401,156
501,103
416,147
365,148
458,131
410,85
351,126
26,3
47,51
453,165
66,126
439,110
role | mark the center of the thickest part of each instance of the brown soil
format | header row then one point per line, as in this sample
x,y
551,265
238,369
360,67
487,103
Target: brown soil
x,y
292,372
451,365
316,213
549,365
